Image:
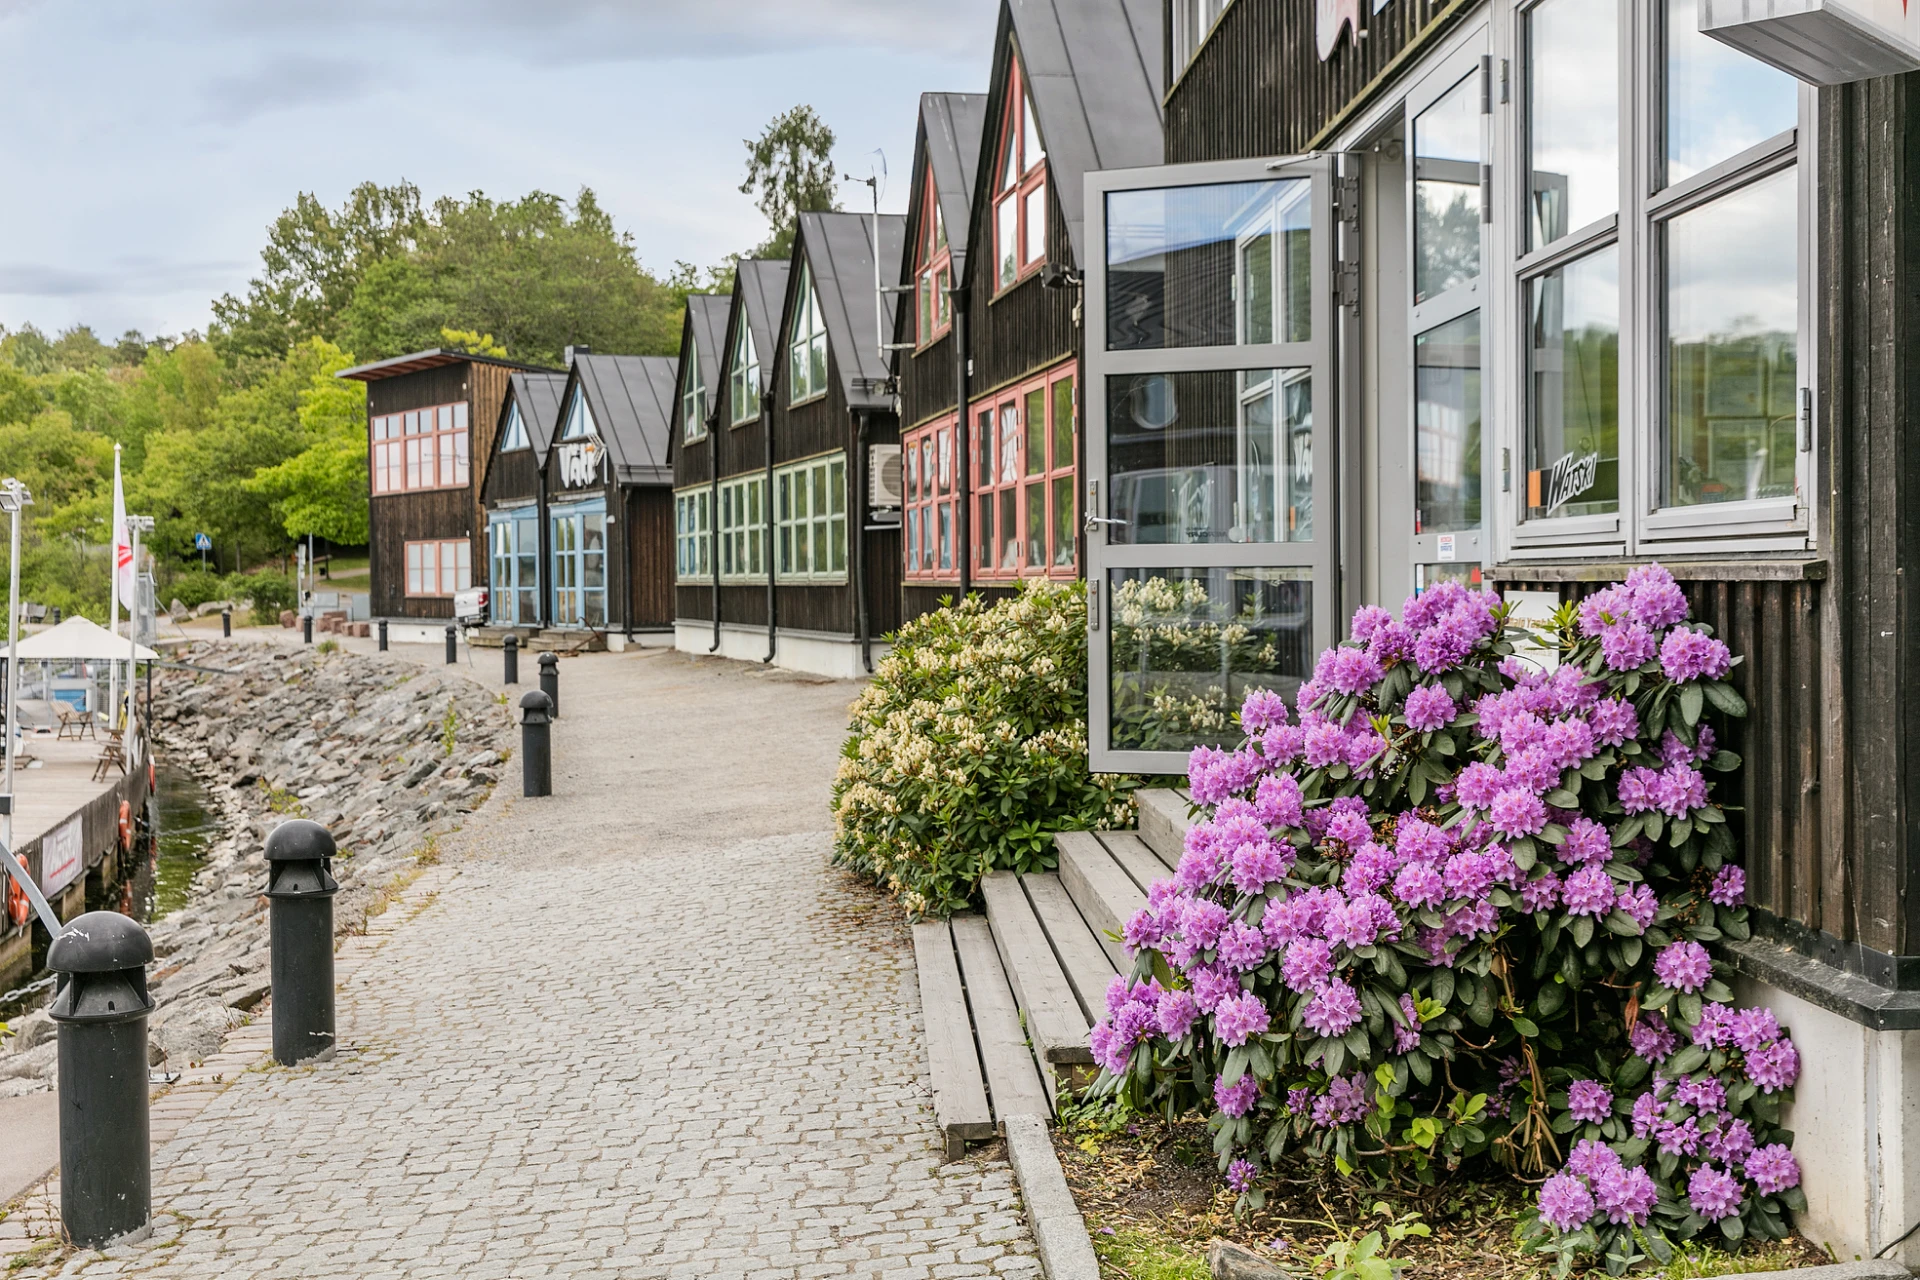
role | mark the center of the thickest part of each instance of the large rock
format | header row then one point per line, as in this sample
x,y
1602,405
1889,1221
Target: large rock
x,y
1228,1261
190,1031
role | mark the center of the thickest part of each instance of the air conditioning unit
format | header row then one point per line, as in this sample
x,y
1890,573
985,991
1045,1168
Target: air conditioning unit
x,y
884,488
1821,41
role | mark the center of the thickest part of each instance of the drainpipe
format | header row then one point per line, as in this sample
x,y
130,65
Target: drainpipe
x,y
766,510
713,531
962,443
857,507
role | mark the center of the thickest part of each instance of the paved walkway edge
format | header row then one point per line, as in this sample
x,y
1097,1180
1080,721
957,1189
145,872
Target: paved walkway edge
x,y
1066,1252
1875,1270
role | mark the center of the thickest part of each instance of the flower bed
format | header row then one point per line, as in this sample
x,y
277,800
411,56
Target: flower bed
x,y
1455,915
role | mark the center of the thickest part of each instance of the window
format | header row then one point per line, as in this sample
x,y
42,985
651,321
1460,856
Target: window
x,y
1192,21
515,436
1663,318
692,527
1020,191
934,306
579,421
693,395
420,449
579,566
810,520
1025,508
807,353
930,474
439,568
743,373
743,529
514,541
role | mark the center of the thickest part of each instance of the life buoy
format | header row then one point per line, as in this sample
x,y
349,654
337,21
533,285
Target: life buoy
x,y
18,908
151,786
126,825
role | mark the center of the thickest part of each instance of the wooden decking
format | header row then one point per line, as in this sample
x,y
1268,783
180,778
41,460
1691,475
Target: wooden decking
x,y
1010,996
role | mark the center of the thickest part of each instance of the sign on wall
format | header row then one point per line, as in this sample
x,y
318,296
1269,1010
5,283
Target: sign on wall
x,y
1331,17
62,856
579,462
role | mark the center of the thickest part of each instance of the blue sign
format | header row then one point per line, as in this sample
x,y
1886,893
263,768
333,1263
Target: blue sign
x,y
201,542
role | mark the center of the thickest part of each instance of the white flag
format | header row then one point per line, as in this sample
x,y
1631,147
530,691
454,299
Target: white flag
x,y
122,541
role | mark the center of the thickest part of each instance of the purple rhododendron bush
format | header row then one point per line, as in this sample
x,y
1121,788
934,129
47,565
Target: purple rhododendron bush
x,y
1452,911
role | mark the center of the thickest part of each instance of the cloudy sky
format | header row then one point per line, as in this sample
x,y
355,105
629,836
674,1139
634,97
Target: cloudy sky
x,y
148,145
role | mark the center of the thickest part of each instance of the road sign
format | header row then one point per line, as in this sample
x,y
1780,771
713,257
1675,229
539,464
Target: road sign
x,y
201,542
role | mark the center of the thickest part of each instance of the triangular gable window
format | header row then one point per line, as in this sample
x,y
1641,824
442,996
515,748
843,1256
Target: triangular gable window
x,y
933,276
807,350
693,395
1020,195
743,375
579,423
516,433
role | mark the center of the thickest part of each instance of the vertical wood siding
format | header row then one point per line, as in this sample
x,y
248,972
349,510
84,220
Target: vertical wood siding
x,y
650,592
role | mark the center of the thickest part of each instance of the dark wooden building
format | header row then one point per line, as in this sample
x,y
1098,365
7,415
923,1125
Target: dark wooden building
x,y
991,464
515,500
608,490
431,416
777,520
1532,293
697,585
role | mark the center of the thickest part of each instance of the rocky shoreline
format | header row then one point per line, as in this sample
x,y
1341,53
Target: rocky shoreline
x,y
387,755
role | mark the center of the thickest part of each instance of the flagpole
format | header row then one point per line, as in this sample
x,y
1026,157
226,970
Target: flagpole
x,y
113,589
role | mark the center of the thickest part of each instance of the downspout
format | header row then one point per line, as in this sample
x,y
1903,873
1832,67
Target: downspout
x,y
766,510
857,507
963,443
713,530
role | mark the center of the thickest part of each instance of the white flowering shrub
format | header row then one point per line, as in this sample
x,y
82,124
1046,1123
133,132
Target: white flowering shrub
x,y
969,750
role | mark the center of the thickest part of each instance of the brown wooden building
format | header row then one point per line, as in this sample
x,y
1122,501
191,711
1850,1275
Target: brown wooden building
x,y
431,417
515,499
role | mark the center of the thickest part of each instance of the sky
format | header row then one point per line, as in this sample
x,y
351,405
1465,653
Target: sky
x,y
147,147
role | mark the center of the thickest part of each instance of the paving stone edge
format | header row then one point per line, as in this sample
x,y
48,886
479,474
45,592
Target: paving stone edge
x,y
1871,1270
1066,1251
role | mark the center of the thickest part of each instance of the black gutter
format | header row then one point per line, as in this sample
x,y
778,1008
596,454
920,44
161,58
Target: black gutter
x,y
713,528
857,506
962,442
766,511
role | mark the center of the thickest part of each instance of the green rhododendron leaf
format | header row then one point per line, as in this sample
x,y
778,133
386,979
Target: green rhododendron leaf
x,y
1691,698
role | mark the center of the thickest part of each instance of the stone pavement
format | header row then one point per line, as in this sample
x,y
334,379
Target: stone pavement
x,y
640,1028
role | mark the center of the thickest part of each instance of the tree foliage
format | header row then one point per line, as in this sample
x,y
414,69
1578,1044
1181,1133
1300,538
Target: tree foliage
x,y
790,172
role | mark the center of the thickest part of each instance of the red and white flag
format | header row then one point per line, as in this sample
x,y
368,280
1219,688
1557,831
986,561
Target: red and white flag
x,y
122,542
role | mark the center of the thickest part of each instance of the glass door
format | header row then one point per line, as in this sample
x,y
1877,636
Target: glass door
x,y
580,567
514,581
1210,496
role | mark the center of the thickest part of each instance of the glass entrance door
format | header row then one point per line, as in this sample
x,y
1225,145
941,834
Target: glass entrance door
x,y
514,542
580,567
1211,331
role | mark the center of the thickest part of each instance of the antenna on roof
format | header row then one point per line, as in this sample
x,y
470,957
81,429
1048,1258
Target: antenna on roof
x,y
875,183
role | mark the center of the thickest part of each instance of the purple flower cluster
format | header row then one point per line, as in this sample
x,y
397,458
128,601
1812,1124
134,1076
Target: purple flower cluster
x,y
1596,1180
1677,790
1767,1053
1687,654
1684,966
1589,1101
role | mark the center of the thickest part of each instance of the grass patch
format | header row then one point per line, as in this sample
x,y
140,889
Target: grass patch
x,y
1145,1255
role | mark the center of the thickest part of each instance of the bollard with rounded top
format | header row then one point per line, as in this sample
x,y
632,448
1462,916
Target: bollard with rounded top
x,y
226,624
306,629
452,639
510,657
300,889
536,744
550,681
101,1008
383,635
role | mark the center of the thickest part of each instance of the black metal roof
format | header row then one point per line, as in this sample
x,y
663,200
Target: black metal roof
x,y
1093,68
631,399
430,359
707,312
762,284
950,129
538,395
839,249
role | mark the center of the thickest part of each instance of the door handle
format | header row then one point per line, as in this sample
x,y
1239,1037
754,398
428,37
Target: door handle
x,y
1094,520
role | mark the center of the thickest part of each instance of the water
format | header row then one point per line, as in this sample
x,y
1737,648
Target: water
x,y
184,825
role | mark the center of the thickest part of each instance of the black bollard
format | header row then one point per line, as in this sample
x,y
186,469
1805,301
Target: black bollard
x,y
106,1177
383,635
306,629
226,624
451,641
550,681
300,889
56,615
536,744
510,656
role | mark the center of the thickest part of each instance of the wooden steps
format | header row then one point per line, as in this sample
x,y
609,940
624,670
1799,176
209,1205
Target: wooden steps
x,y
1010,996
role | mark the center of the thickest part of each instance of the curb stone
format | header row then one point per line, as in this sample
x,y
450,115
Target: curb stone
x,y
1066,1252
1873,1270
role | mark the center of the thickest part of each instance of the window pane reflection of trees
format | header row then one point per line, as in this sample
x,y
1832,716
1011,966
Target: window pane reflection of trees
x,y
1446,383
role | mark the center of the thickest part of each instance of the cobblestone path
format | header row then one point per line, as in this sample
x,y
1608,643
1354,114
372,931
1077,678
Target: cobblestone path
x,y
641,1028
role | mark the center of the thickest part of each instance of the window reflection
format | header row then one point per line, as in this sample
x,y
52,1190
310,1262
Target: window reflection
x,y
1573,114
1446,191
1719,100
1732,315
1573,411
1209,265
1446,387
1215,457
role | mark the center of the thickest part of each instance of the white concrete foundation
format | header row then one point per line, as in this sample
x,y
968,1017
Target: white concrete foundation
x,y
835,657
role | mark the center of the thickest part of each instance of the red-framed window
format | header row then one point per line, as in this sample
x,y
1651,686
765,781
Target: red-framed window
x,y
420,449
1025,498
439,568
930,471
1020,188
935,273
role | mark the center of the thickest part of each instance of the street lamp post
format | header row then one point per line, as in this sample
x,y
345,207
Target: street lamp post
x,y
13,497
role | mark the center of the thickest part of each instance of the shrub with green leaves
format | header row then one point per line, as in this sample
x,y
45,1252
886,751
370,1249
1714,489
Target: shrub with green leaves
x,y
968,750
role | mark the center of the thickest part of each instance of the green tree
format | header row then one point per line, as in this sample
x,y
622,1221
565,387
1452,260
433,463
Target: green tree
x,y
323,489
790,172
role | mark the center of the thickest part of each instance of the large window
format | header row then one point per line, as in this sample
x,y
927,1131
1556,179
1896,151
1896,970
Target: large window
x,y
692,534
1020,187
743,374
420,449
810,520
1192,21
693,395
934,276
1025,521
1662,324
513,539
930,473
807,349
439,568
743,529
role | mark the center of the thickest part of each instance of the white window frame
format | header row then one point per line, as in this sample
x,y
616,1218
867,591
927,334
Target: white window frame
x,y
578,424
515,436
1193,22
743,528
693,534
809,334
800,490
693,396
743,375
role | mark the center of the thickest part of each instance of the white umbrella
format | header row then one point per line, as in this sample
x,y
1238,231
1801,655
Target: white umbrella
x,y
78,640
